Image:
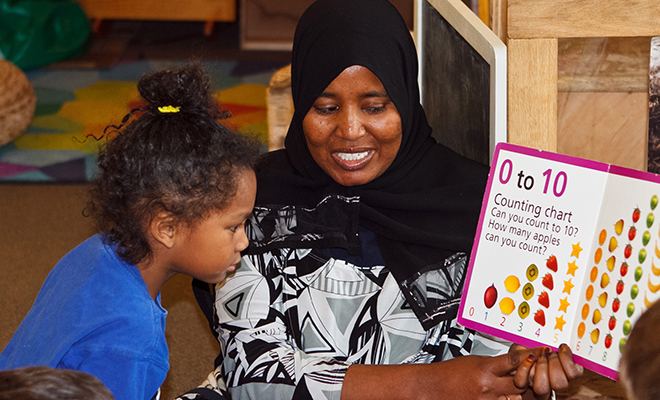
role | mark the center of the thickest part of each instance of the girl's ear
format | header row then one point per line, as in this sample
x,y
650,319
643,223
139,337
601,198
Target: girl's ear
x,y
162,229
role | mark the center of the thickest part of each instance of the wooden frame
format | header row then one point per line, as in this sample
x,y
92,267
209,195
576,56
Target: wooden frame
x,y
532,30
489,47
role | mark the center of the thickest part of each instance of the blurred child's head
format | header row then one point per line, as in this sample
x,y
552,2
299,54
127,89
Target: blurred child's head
x,y
639,370
174,159
44,383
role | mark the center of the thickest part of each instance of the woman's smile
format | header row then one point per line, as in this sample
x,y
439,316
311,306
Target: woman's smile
x,y
352,161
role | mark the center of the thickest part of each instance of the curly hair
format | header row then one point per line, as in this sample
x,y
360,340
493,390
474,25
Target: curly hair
x,y
185,163
45,383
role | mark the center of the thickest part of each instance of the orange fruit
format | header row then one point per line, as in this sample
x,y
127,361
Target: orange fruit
x,y
590,292
602,237
585,311
581,329
598,255
594,274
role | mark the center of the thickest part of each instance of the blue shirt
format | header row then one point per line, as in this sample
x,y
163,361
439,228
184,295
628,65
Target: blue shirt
x,y
94,314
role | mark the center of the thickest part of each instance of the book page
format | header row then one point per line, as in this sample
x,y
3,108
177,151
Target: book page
x,y
623,278
529,261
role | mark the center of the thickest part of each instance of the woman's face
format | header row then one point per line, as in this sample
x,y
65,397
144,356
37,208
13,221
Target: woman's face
x,y
353,129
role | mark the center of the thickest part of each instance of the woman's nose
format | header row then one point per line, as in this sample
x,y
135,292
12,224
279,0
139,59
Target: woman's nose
x,y
350,126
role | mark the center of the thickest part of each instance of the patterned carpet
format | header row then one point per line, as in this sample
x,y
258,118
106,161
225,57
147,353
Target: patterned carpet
x,y
73,103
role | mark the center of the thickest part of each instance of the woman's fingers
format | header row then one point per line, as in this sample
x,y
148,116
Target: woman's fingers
x,y
541,386
569,366
522,377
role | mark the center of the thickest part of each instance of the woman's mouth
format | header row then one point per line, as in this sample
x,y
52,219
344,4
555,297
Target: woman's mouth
x,y
352,160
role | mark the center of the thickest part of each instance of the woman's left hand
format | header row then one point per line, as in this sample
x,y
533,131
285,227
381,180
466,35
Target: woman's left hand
x,y
544,371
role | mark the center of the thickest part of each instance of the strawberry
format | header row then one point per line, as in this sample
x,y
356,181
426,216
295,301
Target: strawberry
x,y
547,281
616,303
636,214
551,263
627,251
608,341
632,232
544,300
539,317
612,323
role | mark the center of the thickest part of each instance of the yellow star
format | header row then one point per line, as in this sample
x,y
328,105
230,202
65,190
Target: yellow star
x,y
559,324
576,250
564,304
572,267
567,287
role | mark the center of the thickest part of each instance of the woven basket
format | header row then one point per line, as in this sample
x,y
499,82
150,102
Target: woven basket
x,y
17,102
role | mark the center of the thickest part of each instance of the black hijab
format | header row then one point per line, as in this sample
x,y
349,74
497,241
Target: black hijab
x,y
426,205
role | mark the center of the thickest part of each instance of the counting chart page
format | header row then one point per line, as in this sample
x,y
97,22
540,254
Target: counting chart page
x,y
565,252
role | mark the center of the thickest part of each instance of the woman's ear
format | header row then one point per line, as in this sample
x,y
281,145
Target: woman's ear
x,y
163,228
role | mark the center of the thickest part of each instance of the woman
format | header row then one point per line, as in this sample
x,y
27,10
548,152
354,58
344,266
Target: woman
x,y
359,239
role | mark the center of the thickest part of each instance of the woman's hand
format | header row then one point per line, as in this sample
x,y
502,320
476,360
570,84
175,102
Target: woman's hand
x,y
543,370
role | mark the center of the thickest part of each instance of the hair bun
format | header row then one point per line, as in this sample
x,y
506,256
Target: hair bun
x,y
187,88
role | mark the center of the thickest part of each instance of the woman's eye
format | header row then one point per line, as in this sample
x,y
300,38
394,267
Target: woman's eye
x,y
326,110
375,110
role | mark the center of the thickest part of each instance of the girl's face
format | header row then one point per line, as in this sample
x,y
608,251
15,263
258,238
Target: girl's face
x,y
353,129
211,249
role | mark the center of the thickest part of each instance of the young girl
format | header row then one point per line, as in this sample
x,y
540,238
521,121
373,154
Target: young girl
x,y
174,193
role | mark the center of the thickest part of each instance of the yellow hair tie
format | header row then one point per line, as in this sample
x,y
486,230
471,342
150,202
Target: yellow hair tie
x,y
169,109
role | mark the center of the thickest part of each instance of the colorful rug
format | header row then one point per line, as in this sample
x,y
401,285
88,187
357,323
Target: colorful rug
x,y
74,103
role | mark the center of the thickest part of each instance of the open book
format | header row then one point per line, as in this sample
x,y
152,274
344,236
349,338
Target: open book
x,y
566,251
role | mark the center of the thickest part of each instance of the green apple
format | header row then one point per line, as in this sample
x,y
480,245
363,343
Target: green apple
x,y
622,344
638,273
646,238
631,309
654,202
634,290
642,255
627,327
649,220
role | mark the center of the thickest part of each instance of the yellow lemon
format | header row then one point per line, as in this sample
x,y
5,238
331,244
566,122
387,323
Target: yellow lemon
x,y
507,305
512,283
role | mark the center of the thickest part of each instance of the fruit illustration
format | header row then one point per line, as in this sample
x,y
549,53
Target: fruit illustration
x,y
589,293
624,268
627,327
511,283
593,274
657,253
646,238
602,299
611,262
532,273
654,202
598,255
608,341
528,291
619,287
618,227
634,291
602,237
649,220
551,263
613,244
616,303
547,281
627,252
632,232
622,344
585,311
596,317
636,214
647,302
507,305
642,255
594,335
638,273
490,296
612,323
653,288
630,310
539,317
581,328
604,280
544,300
523,310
